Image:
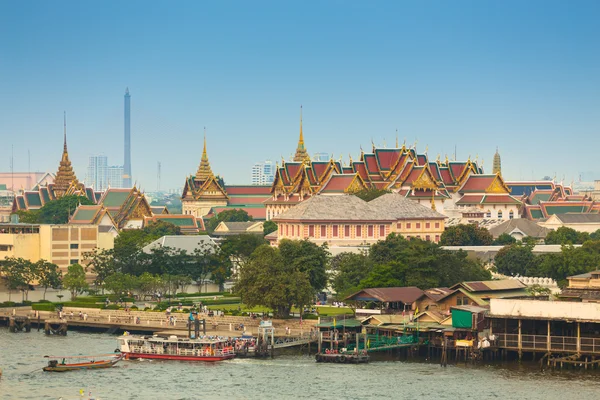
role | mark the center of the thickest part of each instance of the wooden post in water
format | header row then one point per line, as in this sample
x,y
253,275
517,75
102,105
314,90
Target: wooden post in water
x,y
320,342
520,343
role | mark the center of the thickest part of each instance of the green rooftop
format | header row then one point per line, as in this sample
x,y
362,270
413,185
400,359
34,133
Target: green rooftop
x,y
177,221
115,199
84,215
33,199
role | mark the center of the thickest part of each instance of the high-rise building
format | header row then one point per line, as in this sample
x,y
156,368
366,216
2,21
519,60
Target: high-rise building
x,y
102,176
321,157
263,173
97,172
127,157
115,177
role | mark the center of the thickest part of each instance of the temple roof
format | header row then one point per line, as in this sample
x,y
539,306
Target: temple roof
x,y
65,176
301,153
204,171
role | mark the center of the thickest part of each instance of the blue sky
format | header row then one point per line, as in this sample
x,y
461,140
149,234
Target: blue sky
x,y
520,75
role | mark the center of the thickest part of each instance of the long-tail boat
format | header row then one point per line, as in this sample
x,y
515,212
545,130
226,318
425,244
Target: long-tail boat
x,y
70,363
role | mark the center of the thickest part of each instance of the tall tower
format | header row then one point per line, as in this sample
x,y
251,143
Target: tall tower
x,y
127,157
301,153
497,167
65,176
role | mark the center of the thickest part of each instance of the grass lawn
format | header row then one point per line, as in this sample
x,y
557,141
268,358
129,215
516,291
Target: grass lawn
x,y
324,311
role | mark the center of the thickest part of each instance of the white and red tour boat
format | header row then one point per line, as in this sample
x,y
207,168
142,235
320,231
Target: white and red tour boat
x,y
175,348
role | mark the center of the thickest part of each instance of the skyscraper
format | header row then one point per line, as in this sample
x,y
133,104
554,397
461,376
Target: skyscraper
x,y
102,176
263,173
97,172
127,157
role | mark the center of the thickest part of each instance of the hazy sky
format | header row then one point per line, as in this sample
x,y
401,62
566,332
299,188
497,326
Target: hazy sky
x,y
520,75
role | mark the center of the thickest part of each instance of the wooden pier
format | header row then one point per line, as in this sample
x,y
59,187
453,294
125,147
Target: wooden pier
x,y
19,324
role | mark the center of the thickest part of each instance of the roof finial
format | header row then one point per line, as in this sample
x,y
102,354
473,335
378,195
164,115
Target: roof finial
x,y
397,139
301,153
65,130
204,155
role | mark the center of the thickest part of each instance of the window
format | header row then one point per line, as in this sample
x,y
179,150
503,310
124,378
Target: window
x,y
74,261
335,231
437,238
370,231
437,225
488,214
358,231
347,231
399,225
74,246
287,230
408,225
323,230
381,230
427,225
311,231
418,225
418,236
499,214
511,214
428,238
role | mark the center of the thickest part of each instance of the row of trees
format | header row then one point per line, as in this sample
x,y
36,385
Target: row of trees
x,y
519,259
397,261
21,275
54,212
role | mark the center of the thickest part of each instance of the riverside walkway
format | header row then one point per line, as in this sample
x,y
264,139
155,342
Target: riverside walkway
x,y
157,322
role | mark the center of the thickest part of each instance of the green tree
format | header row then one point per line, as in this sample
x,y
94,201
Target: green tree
x,y
466,235
102,263
48,275
504,239
267,280
28,216
565,235
59,211
74,280
148,285
307,257
239,248
347,272
595,235
269,227
516,259
19,274
370,194
120,283
538,290
235,215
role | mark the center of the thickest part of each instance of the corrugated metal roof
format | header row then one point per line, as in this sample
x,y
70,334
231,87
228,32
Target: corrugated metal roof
x,y
393,294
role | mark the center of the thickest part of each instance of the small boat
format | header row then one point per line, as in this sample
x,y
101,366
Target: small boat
x,y
343,358
91,362
174,348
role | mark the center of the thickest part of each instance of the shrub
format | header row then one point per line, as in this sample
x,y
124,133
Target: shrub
x,y
44,307
44,301
27,303
310,316
8,304
112,307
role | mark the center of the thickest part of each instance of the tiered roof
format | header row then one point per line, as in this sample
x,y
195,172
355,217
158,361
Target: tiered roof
x,y
65,177
399,169
203,185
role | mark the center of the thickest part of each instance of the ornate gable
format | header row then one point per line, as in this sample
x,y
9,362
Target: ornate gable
x,y
498,186
425,180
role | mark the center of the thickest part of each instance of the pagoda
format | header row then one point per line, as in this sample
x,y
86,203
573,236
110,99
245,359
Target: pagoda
x,y
65,180
202,192
301,153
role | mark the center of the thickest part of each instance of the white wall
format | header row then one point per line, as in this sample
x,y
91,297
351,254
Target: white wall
x,y
545,309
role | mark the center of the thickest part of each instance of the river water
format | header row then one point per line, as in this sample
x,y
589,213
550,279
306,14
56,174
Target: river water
x,y
285,377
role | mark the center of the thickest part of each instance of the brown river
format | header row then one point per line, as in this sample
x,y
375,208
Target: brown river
x,y
289,376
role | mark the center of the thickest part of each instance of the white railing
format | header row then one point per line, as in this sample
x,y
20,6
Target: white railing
x,y
540,342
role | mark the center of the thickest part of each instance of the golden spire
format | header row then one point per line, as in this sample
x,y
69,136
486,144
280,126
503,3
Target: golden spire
x,y
432,200
301,153
497,164
65,175
204,171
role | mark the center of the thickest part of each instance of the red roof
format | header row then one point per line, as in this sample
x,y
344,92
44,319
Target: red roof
x,y
457,168
471,199
337,183
500,199
361,169
319,167
248,190
247,200
422,159
387,158
414,174
371,163
477,183
446,177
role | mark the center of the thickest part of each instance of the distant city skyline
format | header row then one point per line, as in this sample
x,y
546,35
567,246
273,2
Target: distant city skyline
x,y
466,75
